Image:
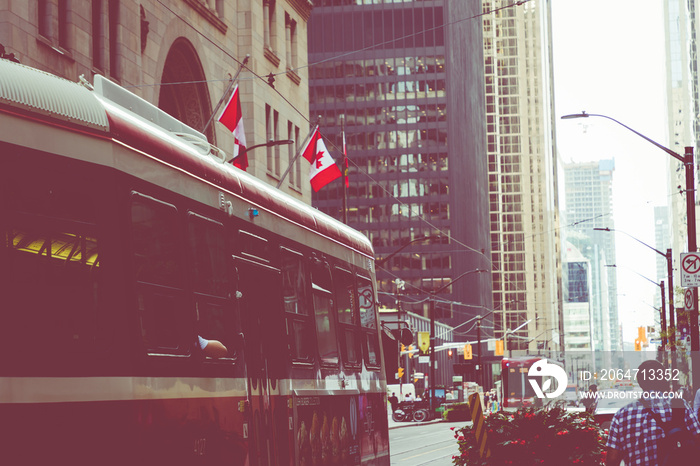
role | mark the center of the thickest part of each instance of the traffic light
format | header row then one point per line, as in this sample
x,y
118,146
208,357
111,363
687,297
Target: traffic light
x,y
467,351
642,334
410,351
499,348
638,344
400,372
403,347
449,353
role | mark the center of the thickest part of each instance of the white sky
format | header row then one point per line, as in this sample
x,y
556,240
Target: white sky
x,y
609,59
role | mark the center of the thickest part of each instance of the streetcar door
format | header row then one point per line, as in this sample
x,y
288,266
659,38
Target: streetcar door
x,y
262,322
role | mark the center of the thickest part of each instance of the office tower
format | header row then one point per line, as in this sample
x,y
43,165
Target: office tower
x,y
525,243
682,95
578,321
588,198
406,82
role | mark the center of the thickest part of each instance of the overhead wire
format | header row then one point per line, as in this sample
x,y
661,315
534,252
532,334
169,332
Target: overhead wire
x,y
328,142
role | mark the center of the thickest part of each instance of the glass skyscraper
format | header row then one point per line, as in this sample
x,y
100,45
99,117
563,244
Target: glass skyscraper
x,y
406,83
588,188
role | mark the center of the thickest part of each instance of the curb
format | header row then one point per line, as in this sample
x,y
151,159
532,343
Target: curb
x,y
399,425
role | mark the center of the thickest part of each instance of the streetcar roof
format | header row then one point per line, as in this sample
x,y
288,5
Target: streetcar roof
x,y
109,110
36,91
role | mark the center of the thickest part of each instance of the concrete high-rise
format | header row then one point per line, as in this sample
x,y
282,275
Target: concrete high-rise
x,y
683,97
523,186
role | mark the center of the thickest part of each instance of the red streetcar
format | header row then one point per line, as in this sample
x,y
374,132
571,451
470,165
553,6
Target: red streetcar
x,y
517,390
158,306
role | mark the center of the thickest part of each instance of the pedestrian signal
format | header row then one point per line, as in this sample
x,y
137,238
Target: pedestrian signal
x,y
499,348
467,351
400,372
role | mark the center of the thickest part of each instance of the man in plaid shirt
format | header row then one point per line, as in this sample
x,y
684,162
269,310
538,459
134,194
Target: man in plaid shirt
x,y
634,434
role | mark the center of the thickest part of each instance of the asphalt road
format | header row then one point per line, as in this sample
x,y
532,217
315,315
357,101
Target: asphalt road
x,y
428,443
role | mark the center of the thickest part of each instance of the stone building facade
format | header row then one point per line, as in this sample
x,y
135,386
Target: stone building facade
x,y
180,55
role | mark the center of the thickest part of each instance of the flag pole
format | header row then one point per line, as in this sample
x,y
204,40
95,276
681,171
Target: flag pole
x,y
345,171
228,89
298,154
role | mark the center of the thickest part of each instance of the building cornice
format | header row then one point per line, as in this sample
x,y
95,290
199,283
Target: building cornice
x,y
303,7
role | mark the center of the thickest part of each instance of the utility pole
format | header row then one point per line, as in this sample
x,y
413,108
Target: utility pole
x,y
478,348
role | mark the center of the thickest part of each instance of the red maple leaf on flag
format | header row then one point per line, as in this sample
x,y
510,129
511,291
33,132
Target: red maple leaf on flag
x,y
323,167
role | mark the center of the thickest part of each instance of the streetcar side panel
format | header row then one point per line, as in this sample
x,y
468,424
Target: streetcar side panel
x,y
122,253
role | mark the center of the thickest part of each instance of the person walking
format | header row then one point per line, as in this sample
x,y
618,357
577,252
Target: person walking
x,y
394,402
591,401
635,432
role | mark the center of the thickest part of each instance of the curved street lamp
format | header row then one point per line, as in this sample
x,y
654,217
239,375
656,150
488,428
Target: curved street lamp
x,y
688,161
271,143
669,265
664,339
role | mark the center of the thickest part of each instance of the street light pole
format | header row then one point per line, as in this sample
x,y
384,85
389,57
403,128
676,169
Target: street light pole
x,y
433,294
669,263
688,161
271,143
662,319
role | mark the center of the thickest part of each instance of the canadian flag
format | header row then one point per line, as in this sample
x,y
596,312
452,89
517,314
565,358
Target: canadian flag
x,y
323,168
232,118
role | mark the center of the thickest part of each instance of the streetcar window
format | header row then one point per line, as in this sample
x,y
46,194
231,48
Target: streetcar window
x,y
344,295
372,349
293,282
299,325
216,322
301,347
352,353
68,247
323,308
368,316
154,227
325,332
208,249
254,247
344,285
52,290
207,246
53,315
162,309
161,326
